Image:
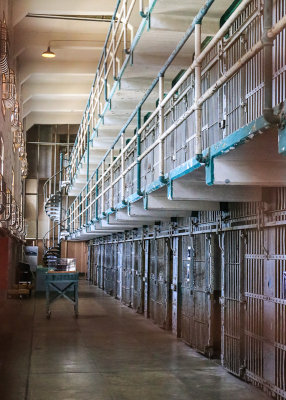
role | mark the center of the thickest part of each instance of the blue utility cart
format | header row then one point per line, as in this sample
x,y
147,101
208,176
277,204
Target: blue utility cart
x,y
65,284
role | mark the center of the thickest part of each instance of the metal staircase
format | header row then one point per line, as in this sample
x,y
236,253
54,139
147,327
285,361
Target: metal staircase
x,y
54,194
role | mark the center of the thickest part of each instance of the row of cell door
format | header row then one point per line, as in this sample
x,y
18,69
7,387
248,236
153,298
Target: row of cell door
x,y
222,294
232,301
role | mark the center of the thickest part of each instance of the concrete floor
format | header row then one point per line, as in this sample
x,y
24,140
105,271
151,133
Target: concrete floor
x,y
109,352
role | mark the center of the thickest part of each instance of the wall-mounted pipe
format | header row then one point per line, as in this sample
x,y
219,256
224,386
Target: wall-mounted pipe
x,y
102,186
268,112
138,152
122,167
198,93
88,148
96,194
161,130
105,78
111,179
86,205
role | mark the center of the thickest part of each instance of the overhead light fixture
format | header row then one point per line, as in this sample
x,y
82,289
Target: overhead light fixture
x,y
48,53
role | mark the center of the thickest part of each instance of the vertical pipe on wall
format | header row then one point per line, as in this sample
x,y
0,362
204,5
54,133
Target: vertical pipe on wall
x,y
102,186
88,142
138,152
96,194
111,201
61,170
79,210
125,27
198,90
268,112
113,53
161,130
105,78
122,168
86,203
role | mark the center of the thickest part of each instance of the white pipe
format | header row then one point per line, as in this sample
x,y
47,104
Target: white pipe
x,y
141,7
198,90
125,26
111,178
102,186
113,53
161,128
122,167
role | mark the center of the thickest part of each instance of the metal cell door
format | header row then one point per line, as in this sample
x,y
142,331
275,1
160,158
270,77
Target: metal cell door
x,y
146,278
278,295
186,296
254,312
137,277
89,263
127,274
160,302
102,273
108,269
176,284
114,267
232,302
119,268
98,265
199,309
92,264
200,329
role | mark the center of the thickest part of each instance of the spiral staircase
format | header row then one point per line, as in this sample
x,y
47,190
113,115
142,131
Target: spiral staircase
x,y
54,192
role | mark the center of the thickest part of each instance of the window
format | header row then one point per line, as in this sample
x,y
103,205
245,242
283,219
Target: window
x,y
1,156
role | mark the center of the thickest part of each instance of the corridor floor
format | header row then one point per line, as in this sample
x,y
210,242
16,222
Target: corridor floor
x,y
108,353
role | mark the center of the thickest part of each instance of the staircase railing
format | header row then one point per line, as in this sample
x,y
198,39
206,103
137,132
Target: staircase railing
x,y
54,190
56,183
54,235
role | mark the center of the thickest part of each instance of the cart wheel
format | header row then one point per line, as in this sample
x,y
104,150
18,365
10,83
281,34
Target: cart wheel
x,y
48,314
